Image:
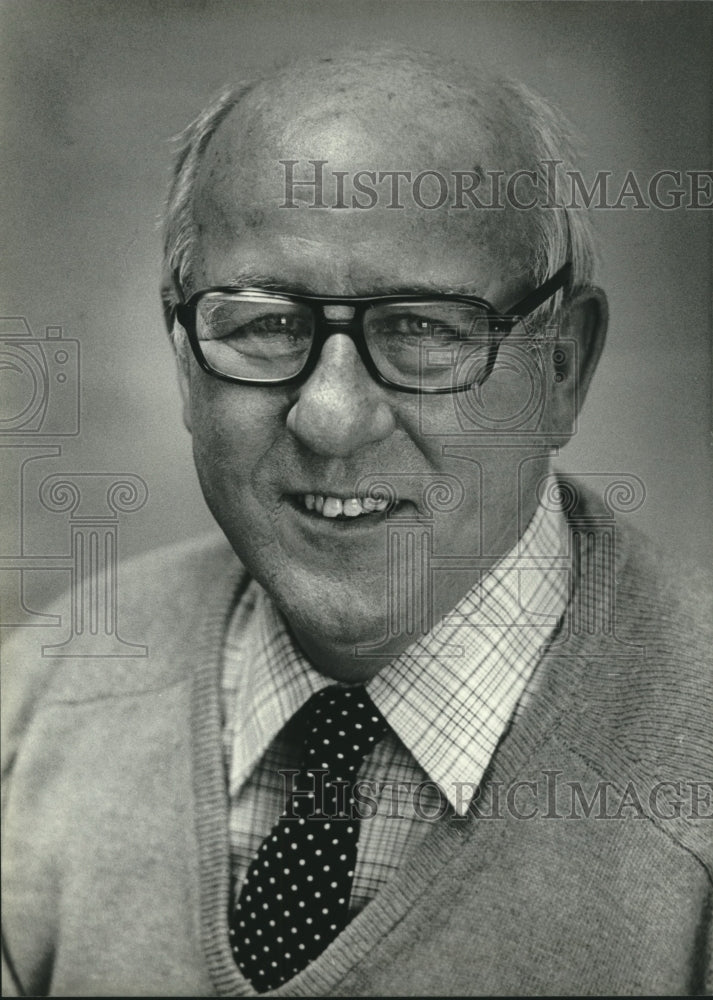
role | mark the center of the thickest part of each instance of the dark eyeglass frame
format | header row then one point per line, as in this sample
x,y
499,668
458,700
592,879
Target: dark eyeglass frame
x,y
499,326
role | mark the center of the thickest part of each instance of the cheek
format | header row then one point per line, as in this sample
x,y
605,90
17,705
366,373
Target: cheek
x,y
233,427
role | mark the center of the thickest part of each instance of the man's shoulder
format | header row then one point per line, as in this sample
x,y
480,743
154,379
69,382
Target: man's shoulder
x,y
627,684
633,660
169,608
667,590
648,585
149,591
647,613
176,572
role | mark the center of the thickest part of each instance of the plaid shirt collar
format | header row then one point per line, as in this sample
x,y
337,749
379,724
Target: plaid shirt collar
x,y
449,696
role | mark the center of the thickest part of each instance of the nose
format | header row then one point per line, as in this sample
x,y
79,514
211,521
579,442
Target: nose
x,y
340,408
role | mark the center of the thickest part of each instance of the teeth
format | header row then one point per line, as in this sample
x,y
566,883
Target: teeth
x,y
352,508
333,506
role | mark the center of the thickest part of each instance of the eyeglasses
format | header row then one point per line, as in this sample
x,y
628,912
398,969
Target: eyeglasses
x,y
413,343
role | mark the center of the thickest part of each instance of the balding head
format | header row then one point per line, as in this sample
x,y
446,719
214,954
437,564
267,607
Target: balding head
x,y
380,110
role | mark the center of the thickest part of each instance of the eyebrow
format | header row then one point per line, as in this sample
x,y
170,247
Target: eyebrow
x,y
262,280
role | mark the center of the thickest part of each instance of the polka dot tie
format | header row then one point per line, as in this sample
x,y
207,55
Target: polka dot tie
x,y
295,898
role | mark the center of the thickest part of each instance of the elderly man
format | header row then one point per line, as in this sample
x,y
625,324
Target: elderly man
x,y
439,728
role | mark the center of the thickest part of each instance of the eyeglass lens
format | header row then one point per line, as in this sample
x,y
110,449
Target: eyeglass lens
x,y
415,343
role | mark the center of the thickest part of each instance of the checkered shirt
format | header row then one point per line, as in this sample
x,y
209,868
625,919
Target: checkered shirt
x,y
448,699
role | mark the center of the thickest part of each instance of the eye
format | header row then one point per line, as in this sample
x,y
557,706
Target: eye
x,y
291,328
406,325
226,318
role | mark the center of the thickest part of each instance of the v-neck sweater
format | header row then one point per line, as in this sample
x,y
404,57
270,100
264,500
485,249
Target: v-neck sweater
x,y
584,866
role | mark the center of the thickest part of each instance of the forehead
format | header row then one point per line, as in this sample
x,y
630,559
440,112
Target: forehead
x,y
250,208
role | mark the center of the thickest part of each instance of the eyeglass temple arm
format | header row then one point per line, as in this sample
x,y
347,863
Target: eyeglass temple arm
x,y
171,309
527,305
522,308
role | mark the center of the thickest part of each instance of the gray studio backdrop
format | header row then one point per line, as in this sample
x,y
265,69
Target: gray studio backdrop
x,y
91,93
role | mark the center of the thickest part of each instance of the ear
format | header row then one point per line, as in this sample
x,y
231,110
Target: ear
x,y
183,362
574,359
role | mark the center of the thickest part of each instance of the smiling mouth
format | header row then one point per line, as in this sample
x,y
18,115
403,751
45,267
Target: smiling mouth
x,y
343,509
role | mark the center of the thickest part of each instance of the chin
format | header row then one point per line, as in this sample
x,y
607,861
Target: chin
x,y
331,617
